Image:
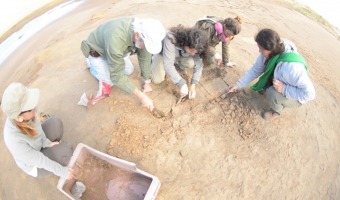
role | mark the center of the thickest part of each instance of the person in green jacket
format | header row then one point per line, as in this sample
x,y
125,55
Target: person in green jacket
x,y
219,30
109,46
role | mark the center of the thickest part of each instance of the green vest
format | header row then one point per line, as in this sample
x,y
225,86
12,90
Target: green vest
x,y
283,57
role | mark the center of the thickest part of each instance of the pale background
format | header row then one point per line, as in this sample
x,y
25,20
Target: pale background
x,y
328,9
11,12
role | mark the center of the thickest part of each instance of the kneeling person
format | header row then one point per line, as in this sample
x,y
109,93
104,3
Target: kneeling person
x,y
284,75
185,47
108,47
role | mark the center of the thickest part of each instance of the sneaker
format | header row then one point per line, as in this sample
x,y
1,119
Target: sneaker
x,y
78,189
270,115
230,64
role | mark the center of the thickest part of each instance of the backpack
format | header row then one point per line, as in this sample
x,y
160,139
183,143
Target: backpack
x,y
207,19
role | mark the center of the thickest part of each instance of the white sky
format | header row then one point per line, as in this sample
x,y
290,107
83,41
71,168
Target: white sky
x,y
12,11
9,45
328,9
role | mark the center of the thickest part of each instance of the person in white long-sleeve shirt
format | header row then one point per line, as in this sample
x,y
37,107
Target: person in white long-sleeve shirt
x,y
284,74
36,153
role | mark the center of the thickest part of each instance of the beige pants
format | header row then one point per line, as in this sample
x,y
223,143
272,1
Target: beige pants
x,y
157,67
278,102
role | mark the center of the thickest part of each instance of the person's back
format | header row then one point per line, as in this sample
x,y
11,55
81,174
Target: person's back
x,y
112,37
207,24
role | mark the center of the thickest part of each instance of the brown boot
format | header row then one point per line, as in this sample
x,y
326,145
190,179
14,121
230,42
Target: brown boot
x,y
270,115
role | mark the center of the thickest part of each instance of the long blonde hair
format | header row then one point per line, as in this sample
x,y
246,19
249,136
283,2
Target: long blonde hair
x,y
25,128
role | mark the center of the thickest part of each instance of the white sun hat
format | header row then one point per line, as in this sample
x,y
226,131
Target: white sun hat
x,y
152,32
18,98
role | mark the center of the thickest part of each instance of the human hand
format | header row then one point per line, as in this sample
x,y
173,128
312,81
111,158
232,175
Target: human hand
x,y
147,87
147,102
184,89
192,91
233,88
53,143
70,175
278,85
230,64
218,59
144,99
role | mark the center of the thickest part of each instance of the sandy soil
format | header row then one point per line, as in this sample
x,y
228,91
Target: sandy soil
x,y
209,148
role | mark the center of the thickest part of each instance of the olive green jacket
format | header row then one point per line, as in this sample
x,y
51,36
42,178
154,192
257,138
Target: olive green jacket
x,y
208,25
113,40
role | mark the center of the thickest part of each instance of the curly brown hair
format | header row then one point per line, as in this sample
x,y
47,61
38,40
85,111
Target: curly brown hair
x,y
194,38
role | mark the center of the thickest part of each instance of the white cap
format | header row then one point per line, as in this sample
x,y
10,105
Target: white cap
x,y
18,98
152,32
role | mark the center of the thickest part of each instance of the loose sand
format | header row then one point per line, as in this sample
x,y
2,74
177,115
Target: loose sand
x,y
209,148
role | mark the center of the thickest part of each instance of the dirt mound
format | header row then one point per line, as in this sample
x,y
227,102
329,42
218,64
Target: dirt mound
x,y
213,147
